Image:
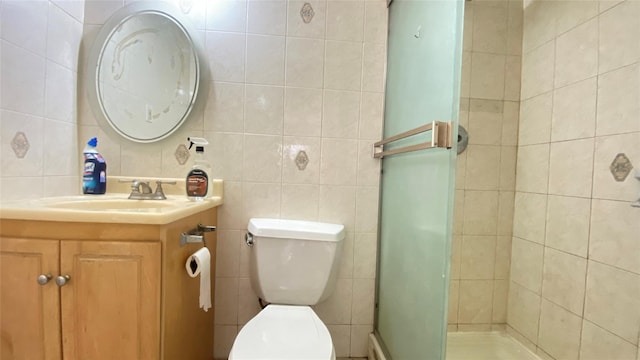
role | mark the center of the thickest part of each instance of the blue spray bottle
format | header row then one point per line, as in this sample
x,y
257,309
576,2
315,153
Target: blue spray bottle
x,y
94,177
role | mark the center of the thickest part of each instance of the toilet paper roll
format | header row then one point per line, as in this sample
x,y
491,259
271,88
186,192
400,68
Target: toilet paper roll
x,y
199,263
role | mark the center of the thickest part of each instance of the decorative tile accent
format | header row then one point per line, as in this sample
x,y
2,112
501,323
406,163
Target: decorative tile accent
x,y
302,160
620,167
307,13
182,154
20,144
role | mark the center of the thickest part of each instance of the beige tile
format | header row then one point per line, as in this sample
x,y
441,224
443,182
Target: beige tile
x,y
22,91
487,76
500,295
568,233
607,148
363,301
338,205
532,169
304,65
475,301
338,165
465,75
461,170
614,235
559,333
140,159
342,65
300,202
618,106
264,109
480,212
505,212
265,60
458,211
563,279
474,327
367,208
537,70
598,343
60,93
619,44
490,30
577,54
53,186
346,263
225,155
31,30
483,167
454,297
467,36
228,253
574,111
526,264
371,115
510,120
345,20
539,24
613,300
368,166
266,17
292,146
535,120
364,256
508,156
341,338
360,340
477,257
529,216
513,72
248,305
375,22
226,54
262,158
485,122
296,27
59,155
503,257
227,15
223,338
514,28
341,112
302,111
260,200
230,214
571,168
224,110
523,311
226,301
573,13
456,256
373,67
336,310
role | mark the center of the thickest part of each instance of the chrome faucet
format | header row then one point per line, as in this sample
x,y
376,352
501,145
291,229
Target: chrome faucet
x,y
140,190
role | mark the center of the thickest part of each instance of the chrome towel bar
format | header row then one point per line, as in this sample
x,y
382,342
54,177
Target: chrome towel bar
x,y
441,134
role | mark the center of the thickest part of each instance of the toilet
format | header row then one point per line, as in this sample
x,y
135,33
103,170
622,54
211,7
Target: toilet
x,y
293,264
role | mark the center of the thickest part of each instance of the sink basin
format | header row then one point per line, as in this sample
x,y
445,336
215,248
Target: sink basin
x,y
112,205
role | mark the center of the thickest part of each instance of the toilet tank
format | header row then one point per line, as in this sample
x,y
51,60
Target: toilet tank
x,y
294,262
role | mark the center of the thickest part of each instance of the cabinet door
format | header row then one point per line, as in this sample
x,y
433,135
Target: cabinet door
x,y
111,304
29,312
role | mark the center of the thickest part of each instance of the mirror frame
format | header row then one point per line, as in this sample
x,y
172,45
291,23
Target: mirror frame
x,y
95,55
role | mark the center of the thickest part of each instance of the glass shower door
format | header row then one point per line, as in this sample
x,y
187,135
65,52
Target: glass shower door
x,y
423,81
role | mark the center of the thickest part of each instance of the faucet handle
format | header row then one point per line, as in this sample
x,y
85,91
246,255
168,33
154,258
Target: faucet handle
x,y
159,194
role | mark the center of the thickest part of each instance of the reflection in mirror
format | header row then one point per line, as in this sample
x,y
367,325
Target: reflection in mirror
x,y
144,73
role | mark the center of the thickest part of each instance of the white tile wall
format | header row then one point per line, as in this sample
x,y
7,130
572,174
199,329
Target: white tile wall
x,y
39,43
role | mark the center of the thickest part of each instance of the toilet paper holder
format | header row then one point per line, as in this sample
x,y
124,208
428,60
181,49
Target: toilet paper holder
x,y
196,235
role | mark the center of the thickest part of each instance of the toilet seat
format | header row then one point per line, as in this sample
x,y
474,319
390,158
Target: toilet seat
x,y
284,332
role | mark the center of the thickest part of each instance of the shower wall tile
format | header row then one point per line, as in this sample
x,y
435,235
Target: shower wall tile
x,y
535,120
487,76
563,279
598,343
539,25
480,212
490,29
529,216
618,108
574,111
477,257
532,171
526,264
523,311
537,70
568,233
475,301
618,36
577,54
483,167
571,168
559,333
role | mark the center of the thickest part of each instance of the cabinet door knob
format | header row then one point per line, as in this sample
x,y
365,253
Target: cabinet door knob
x,y
62,280
43,279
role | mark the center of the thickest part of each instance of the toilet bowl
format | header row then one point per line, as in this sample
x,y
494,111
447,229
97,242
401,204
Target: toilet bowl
x,y
284,332
293,264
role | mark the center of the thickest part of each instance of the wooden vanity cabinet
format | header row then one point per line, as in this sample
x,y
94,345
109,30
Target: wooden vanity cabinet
x,y
128,295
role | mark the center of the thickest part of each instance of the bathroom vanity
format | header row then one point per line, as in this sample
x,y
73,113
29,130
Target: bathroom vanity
x,y
99,278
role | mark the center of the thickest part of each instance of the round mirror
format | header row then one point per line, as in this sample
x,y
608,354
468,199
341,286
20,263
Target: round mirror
x,y
144,72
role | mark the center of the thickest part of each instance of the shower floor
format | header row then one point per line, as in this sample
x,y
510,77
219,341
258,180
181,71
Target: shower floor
x,y
485,346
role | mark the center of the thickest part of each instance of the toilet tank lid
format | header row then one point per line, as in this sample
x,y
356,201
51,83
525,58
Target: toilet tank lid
x,y
296,229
